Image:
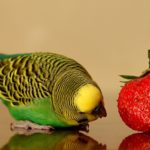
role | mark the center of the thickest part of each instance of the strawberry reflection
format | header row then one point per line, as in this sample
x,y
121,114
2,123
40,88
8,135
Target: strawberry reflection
x,y
138,141
59,140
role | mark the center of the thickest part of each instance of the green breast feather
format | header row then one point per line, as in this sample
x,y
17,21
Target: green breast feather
x,y
38,111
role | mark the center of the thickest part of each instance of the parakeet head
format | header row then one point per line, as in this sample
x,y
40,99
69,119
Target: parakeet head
x,y
89,99
77,98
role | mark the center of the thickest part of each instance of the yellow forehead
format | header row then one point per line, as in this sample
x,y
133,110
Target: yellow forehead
x,y
87,98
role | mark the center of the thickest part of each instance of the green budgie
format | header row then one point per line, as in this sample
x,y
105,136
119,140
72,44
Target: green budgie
x,y
48,89
59,140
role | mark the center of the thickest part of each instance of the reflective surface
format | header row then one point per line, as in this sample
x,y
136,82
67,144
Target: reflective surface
x,y
59,140
137,141
103,134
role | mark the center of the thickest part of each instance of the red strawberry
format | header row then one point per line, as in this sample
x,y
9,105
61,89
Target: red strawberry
x,y
138,141
134,102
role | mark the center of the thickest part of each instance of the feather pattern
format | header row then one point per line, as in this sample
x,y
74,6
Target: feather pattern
x,y
26,78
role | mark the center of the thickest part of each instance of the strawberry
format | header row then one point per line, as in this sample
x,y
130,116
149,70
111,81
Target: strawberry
x,y
134,101
138,141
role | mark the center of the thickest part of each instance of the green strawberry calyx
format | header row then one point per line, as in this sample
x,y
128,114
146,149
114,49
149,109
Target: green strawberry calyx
x,y
132,77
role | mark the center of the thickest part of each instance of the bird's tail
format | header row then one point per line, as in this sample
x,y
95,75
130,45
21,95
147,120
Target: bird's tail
x,y
2,56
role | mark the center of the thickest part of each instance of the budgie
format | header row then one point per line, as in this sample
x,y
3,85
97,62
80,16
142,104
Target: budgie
x,y
49,90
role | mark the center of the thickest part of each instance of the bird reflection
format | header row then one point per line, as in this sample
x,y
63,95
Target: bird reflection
x,y
137,141
58,140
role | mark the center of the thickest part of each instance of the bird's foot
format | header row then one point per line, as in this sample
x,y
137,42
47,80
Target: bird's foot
x,y
28,128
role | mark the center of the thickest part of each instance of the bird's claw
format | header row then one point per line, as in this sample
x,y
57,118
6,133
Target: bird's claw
x,y
28,128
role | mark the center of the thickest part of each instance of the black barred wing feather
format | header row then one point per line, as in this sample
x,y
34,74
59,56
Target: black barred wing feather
x,y
22,80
